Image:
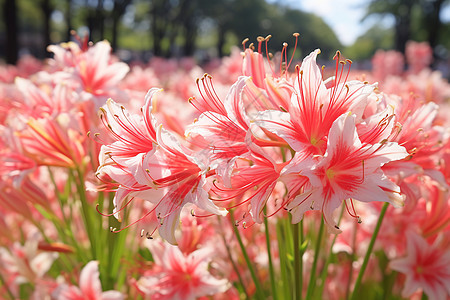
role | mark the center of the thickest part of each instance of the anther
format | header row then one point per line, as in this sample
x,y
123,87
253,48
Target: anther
x,y
142,232
337,55
149,236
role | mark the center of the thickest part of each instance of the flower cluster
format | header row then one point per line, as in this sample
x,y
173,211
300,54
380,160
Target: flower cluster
x,y
195,163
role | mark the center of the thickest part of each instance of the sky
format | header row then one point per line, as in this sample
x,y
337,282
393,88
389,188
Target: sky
x,y
344,16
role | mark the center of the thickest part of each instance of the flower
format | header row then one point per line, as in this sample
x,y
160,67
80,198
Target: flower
x,y
315,106
348,170
179,276
425,266
153,165
26,263
90,287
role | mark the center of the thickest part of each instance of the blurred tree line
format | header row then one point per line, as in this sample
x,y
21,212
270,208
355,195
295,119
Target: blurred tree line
x,y
418,20
165,27
175,28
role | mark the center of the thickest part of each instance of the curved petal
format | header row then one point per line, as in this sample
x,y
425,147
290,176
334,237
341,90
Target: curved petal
x,y
90,284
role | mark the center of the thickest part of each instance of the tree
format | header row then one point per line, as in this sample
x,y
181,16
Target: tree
x,y
401,10
119,9
47,10
10,17
365,46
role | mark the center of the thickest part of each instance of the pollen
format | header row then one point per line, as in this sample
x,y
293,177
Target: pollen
x,y
330,173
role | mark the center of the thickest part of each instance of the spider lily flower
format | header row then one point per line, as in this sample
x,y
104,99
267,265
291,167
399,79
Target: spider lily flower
x,y
420,135
258,177
152,165
26,263
315,105
224,124
268,90
425,266
183,175
132,134
89,287
179,276
91,65
348,170
54,141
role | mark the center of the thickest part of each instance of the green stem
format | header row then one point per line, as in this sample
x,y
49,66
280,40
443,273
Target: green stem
x,y
352,259
282,254
312,277
259,290
302,251
369,251
269,255
323,275
86,212
230,257
387,289
297,260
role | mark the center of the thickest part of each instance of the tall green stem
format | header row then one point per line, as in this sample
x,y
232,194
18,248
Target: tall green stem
x,y
86,212
230,257
352,259
369,251
298,282
269,255
259,290
312,277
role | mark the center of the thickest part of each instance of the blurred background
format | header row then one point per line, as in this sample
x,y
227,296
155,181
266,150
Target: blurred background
x,y
205,29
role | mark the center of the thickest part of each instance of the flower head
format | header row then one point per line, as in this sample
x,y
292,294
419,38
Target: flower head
x,y
348,170
179,276
89,287
425,266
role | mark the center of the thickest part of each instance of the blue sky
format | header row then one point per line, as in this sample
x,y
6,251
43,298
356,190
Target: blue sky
x,y
344,16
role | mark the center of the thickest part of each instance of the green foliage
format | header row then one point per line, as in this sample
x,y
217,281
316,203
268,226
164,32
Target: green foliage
x,y
376,37
30,15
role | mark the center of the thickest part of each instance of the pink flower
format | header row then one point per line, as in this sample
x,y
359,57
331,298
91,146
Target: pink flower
x,y
179,276
182,174
54,141
26,263
256,175
223,125
90,287
425,266
418,55
387,63
348,170
93,66
153,165
314,106
132,134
